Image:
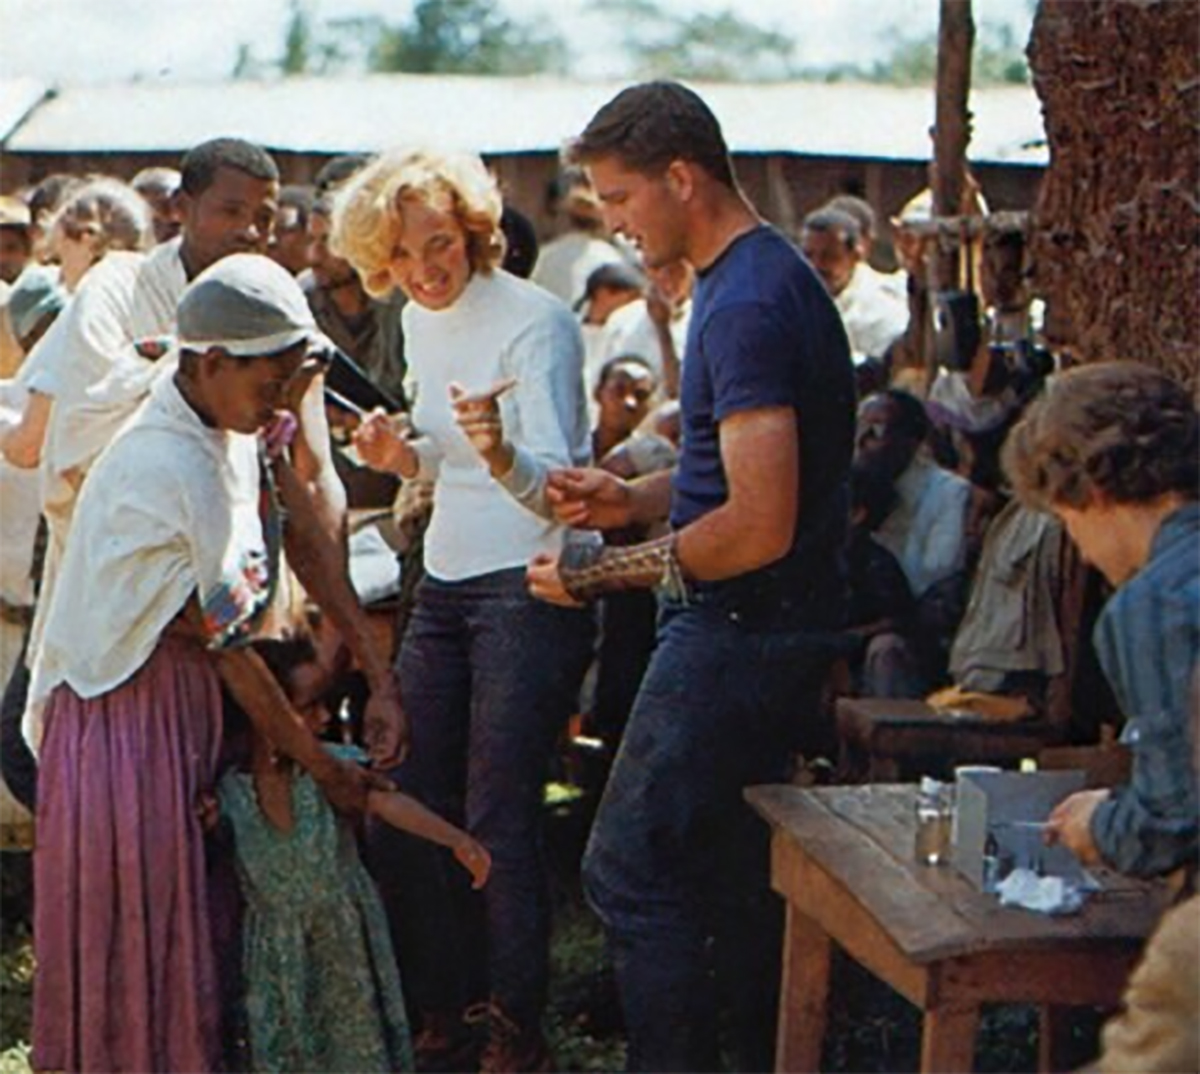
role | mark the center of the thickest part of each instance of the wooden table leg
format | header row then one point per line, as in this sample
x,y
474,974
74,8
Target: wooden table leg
x,y
948,1040
803,996
1054,1038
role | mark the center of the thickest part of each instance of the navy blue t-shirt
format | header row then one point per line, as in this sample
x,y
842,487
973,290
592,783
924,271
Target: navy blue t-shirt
x,y
765,333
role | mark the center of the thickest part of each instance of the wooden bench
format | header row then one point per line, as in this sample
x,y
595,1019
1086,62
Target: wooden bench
x,y
882,739
843,859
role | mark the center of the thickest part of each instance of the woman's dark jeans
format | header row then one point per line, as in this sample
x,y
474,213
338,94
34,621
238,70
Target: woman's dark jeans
x,y
677,864
488,677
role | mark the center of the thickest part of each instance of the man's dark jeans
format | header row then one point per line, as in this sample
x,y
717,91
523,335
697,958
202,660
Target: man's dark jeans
x,y
488,677
677,865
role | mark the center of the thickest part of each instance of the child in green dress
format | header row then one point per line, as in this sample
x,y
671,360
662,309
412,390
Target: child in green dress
x,y
322,990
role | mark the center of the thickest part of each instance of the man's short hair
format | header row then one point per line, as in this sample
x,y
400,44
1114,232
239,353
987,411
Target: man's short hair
x,y
611,366
299,197
156,180
337,170
1121,429
652,124
834,221
200,165
860,209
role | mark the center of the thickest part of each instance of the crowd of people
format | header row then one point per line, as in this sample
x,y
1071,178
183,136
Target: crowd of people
x,y
677,474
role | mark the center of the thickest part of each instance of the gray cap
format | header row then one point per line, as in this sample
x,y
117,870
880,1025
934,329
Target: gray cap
x,y
247,305
36,294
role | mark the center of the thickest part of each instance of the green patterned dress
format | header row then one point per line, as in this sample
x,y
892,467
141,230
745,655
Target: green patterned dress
x,y
322,988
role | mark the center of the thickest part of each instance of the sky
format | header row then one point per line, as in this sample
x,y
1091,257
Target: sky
x,y
88,41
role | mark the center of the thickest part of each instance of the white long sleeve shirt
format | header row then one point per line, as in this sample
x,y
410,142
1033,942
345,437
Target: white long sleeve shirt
x,y
500,327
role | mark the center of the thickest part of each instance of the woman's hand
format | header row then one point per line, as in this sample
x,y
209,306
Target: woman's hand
x,y
382,443
478,415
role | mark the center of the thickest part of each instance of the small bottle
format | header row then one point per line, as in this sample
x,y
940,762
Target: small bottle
x,y
991,864
934,812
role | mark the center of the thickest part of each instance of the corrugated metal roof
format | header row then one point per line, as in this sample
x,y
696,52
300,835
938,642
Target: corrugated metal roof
x,y
18,96
510,115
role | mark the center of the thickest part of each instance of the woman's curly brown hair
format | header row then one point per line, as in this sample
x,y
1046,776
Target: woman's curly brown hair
x,y
1120,429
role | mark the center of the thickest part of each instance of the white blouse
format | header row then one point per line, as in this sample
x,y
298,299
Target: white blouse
x,y
501,326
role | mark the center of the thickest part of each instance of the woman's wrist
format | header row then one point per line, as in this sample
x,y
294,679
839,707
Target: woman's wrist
x,y
501,460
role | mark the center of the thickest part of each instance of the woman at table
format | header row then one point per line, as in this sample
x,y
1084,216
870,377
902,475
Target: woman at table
x,y
488,674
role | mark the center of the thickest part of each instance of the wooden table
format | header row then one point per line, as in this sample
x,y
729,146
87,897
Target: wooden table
x,y
843,859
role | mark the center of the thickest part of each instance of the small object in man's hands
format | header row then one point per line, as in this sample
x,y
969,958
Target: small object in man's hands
x,y
279,434
154,348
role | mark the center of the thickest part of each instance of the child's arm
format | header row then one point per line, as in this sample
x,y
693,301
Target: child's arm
x,y
407,814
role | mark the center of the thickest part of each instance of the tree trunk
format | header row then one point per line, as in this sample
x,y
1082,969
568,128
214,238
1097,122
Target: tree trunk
x,y
1115,247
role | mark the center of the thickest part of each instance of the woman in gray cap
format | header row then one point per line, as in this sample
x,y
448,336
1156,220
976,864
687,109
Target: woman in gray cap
x,y
169,567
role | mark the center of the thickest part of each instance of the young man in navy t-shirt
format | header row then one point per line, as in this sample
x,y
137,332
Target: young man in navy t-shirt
x,y
751,579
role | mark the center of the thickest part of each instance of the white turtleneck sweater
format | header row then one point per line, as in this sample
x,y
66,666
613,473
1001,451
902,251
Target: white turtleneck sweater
x,y
501,326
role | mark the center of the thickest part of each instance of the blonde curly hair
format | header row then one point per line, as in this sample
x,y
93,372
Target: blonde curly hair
x,y
367,220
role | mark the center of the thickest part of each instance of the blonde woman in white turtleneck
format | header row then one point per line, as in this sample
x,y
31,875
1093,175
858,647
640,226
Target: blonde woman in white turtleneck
x,y
488,675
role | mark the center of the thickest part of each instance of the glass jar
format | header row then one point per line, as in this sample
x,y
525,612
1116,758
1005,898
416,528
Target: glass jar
x,y
935,817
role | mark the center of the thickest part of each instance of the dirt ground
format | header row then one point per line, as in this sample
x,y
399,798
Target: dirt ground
x,y
871,1028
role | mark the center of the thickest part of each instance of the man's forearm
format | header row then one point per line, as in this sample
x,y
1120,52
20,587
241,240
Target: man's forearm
x,y
320,564
650,498
727,542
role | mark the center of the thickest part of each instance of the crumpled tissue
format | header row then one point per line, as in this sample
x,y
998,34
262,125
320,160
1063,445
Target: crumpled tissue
x,y
1042,894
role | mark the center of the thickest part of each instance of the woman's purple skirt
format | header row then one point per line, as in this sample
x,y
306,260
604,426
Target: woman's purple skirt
x,y
126,979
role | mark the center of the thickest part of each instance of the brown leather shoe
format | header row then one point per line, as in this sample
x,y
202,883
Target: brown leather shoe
x,y
513,1048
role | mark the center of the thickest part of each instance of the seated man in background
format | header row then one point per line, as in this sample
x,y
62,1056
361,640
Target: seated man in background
x,y
655,326
1113,450
566,261
873,315
926,532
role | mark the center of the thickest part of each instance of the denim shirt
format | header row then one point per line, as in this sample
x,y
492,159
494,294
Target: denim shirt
x,y
1148,640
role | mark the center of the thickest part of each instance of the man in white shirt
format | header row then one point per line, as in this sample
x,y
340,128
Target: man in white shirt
x,y
873,314
926,531
565,263
655,327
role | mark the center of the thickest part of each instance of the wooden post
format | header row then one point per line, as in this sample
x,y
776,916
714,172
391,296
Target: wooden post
x,y
951,133
952,129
